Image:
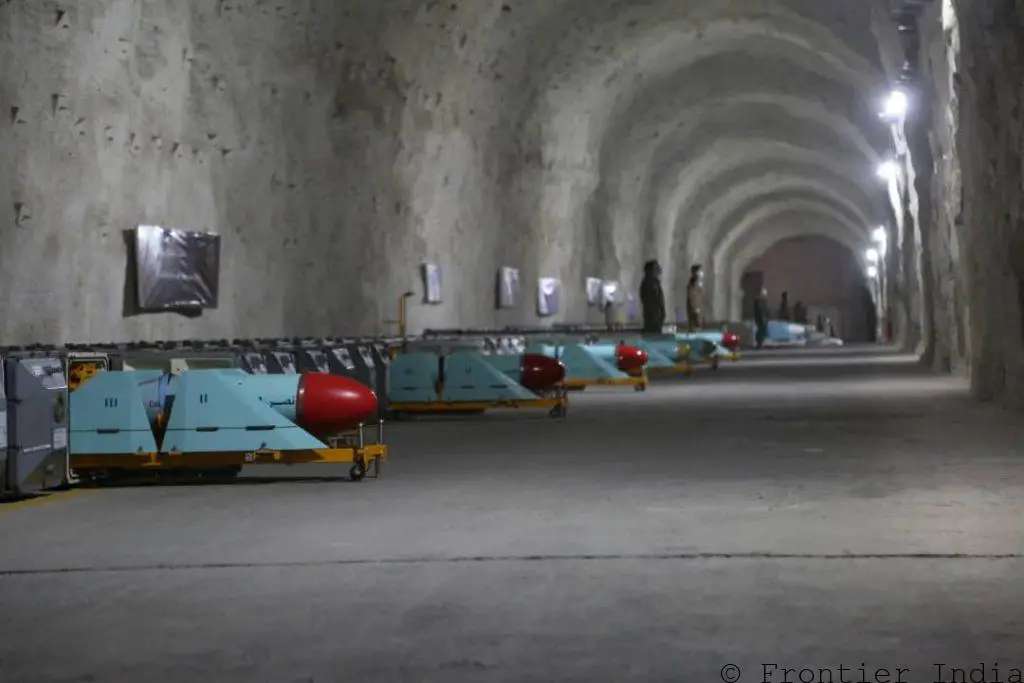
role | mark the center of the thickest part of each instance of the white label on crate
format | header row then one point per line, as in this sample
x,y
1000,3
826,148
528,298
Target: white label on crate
x,y
60,438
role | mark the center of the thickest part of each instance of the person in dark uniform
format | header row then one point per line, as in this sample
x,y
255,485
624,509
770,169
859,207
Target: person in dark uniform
x,y
695,298
800,313
652,299
784,307
761,316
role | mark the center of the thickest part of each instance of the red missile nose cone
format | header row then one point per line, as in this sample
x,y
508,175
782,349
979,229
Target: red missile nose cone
x,y
541,373
630,358
329,404
730,341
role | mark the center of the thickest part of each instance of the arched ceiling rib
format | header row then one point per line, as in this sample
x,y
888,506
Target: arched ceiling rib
x,y
592,62
778,221
791,226
588,58
768,209
727,162
585,92
773,96
719,219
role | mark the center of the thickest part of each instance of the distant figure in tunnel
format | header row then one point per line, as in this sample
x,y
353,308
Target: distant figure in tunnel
x,y
761,316
870,315
800,313
695,298
784,307
652,299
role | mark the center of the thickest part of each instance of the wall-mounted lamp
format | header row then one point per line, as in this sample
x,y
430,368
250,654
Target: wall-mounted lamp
x,y
880,236
887,170
895,107
872,255
872,272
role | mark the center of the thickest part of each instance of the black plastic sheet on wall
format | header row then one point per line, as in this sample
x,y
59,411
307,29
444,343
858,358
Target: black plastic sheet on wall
x,y
176,269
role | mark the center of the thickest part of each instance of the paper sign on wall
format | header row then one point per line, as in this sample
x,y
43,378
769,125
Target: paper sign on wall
x,y
593,291
549,296
508,287
609,292
431,283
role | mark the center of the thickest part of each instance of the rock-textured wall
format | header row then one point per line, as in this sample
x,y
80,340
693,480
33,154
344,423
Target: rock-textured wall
x,y
990,143
959,201
336,145
331,153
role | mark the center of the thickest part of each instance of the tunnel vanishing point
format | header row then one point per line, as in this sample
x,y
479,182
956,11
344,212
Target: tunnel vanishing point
x,y
336,145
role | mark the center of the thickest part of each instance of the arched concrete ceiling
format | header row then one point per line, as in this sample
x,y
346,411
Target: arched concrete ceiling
x,y
728,163
608,54
762,213
618,51
637,207
773,99
723,216
772,223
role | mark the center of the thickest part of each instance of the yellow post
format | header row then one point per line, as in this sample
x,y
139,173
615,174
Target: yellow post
x,y
401,322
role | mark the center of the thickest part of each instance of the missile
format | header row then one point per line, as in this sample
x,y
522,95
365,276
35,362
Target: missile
x,y
731,341
321,404
540,374
630,358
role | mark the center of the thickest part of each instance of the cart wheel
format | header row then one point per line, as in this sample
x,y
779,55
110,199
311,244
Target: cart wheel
x,y
640,387
714,363
358,472
557,411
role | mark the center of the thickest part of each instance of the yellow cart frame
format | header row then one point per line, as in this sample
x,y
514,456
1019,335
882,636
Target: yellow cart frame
x,y
346,448
557,405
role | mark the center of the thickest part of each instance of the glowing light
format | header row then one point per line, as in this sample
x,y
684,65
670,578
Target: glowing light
x,y
896,106
948,15
880,235
871,255
887,170
872,272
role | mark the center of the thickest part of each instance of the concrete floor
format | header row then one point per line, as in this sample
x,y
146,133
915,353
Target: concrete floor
x,y
812,509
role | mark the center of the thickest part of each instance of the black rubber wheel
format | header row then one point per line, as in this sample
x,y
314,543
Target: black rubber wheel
x,y
557,411
358,472
640,387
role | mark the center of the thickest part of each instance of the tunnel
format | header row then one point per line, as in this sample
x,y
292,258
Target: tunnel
x,y
840,505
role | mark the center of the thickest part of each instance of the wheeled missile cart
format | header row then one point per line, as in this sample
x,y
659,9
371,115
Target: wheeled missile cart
x,y
217,421
470,382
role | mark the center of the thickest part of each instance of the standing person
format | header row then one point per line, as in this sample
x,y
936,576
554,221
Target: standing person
x,y
784,307
695,298
800,313
610,317
652,299
761,316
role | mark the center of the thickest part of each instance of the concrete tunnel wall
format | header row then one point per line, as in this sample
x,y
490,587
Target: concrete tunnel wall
x,y
336,146
958,263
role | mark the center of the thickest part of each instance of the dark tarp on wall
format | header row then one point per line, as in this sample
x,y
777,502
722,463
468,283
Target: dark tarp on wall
x,y
176,269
